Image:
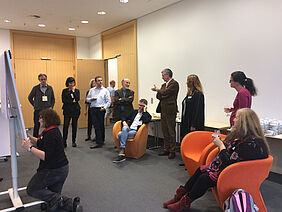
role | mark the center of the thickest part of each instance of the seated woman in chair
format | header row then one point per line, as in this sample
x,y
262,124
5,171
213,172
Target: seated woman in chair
x,y
246,141
136,118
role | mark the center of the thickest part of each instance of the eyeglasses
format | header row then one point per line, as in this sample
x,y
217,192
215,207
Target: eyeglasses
x,y
42,79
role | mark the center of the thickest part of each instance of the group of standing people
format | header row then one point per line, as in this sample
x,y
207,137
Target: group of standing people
x,y
100,103
42,97
193,105
245,142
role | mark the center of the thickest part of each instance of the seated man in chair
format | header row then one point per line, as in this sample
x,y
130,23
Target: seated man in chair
x,y
136,118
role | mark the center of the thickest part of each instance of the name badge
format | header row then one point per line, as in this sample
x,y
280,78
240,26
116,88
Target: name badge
x,y
72,96
44,98
189,97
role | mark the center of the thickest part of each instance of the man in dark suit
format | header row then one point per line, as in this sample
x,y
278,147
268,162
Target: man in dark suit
x,y
167,95
123,99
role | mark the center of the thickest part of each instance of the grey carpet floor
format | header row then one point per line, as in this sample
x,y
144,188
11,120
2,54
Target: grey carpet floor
x,y
132,186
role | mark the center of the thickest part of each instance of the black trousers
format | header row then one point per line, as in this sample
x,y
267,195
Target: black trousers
x,y
66,127
198,184
90,124
36,123
98,121
47,184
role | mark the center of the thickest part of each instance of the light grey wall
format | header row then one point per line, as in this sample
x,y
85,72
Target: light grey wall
x,y
212,39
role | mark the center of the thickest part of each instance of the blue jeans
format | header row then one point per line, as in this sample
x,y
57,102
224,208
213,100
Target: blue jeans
x,y
124,134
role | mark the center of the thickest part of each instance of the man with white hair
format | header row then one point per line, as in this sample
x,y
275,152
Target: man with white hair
x,y
123,101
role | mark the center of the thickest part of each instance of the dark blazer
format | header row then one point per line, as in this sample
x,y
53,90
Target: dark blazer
x,y
35,98
125,101
168,97
146,118
70,102
193,113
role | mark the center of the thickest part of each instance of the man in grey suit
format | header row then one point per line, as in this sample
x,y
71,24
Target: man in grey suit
x,y
41,97
167,95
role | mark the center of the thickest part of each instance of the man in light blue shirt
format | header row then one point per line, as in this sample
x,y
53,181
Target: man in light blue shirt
x,y
99,99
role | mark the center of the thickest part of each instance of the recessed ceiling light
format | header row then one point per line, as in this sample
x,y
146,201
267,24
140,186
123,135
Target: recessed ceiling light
x,y
71,29
123,1
7,21
41,25
101,12
84,22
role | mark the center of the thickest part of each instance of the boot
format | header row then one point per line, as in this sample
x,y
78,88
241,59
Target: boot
x,y
183,204
179,193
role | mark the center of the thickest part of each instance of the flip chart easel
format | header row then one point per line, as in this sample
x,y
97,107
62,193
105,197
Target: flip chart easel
x,y
12,109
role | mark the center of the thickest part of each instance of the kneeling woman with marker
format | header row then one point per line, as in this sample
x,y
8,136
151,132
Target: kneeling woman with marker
x,y
53,168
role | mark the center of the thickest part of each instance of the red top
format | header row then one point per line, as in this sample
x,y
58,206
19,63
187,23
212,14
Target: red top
x,y
242,100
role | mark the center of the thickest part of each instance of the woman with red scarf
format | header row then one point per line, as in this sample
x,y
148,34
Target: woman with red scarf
x,y
53,168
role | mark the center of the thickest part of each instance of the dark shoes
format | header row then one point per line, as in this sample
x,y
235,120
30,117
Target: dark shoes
x,y
88,139
119,158
75,204
164,153
96,146
74,145
171,155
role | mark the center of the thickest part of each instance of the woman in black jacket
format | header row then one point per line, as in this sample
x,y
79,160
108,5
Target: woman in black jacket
x,y
193,107
53,168
71,109
245,142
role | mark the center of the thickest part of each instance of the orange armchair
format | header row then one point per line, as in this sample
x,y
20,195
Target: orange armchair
x,y
247,175
136,147
195,147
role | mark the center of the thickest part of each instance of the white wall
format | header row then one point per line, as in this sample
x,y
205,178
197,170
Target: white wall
x,y
95,47
4,122
4,42
212,39
82,44
89,48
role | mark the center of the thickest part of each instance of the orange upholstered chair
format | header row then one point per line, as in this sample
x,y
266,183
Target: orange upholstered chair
x,y
247,175
136,147
195,147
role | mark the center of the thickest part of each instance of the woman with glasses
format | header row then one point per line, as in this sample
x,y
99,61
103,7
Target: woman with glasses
x,y
245,142
53,168
245,88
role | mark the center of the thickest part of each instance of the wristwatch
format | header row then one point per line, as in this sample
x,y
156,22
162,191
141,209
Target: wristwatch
x,y
29,149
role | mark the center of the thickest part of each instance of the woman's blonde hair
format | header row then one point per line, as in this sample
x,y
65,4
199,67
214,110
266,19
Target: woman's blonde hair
x,y
91,82
247,126
194,83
